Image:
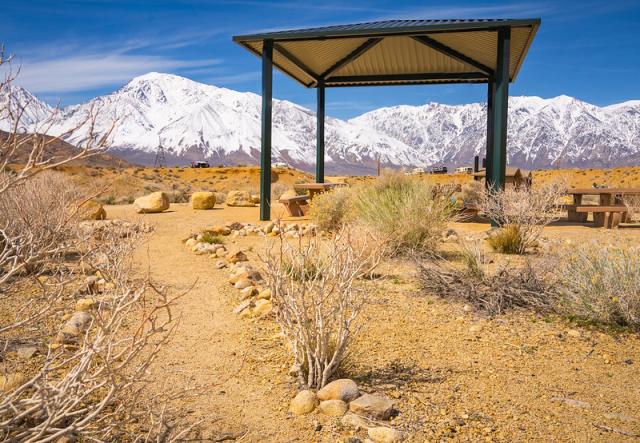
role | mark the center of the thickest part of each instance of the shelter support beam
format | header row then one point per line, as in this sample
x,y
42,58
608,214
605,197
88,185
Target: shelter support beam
x,y
497,155
444,49
490,107
265,149
320,135
352,56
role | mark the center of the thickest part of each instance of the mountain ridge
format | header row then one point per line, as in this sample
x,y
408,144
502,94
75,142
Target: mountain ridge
x,y
192,121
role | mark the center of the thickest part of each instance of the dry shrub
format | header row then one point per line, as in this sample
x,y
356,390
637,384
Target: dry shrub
x,y
632,202
521,215
494,293
277,189
407,211
90,378
317,298
600,283
472,193
330,210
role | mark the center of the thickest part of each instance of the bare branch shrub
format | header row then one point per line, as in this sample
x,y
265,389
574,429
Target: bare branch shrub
x,y
88,376
632,202
408,211
507,288
317,297
521,215
599,282
330,210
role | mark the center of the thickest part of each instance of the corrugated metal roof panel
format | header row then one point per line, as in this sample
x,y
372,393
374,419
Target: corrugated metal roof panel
x,y
452,47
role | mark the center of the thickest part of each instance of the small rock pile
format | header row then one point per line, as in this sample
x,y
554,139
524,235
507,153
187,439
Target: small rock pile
x,y
342,398
256,299
101,229
271,229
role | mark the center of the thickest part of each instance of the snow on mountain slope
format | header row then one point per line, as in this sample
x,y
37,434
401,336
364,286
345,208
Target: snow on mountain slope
x,y
194,121
18,104
561,131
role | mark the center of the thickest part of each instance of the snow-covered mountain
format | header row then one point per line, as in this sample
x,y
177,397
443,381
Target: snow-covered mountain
x,y
22,111
194,121
561,131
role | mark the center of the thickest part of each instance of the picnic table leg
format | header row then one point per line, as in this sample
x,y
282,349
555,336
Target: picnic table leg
x,y
574,216
600,219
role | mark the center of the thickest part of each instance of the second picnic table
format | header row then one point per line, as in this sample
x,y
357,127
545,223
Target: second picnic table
x,y
608,213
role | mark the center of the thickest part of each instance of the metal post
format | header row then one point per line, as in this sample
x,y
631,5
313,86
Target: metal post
x,y
490,109
498,159
265,149
320,135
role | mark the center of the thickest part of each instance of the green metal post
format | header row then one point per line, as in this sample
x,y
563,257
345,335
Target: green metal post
x,y
490,107
265,149
320,135
498,156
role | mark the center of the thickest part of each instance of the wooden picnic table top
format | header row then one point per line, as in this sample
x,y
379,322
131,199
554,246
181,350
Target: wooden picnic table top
x,y
600,191
317,186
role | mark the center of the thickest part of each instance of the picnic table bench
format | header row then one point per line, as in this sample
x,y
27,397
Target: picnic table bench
x,y
298,206
610,211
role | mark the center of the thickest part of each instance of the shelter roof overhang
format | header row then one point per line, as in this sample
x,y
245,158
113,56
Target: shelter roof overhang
x,y
395,52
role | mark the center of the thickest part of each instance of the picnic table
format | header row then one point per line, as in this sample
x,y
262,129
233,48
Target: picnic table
x,y
316,188
298,206
609,211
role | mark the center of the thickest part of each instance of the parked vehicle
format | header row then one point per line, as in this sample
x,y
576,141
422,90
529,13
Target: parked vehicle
x,y
438,170
280,165
464,170
200,164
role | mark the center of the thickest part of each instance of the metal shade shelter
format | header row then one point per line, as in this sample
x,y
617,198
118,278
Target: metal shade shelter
x,y
397,52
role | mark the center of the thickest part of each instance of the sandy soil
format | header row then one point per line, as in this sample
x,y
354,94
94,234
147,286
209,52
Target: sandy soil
x,y
498,384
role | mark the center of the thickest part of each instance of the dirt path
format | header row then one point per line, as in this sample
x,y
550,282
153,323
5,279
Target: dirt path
x,y
517,377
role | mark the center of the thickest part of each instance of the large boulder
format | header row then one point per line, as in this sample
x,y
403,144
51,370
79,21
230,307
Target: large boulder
x,y
92,210
239,198
333,408
343,389
203,200
152,203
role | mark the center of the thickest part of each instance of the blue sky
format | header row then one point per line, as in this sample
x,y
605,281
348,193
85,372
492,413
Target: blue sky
x,y
73,50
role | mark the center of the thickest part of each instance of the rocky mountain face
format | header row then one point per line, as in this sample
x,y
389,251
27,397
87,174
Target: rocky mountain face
x,y
194,121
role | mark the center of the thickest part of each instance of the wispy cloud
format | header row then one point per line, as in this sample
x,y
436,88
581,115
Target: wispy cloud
x,y
502,10
233,79
92,71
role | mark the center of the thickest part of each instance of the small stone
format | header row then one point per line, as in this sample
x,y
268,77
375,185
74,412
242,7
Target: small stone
x,y
220,264
467,308
248,292
303,403
342,389
8,382
236,255
243,283
373,405
354,421
26,352
475,328
382,434
574,333
219,230
221,252
190,243
333,408
85,304
265,294
243,306
268,227
262,309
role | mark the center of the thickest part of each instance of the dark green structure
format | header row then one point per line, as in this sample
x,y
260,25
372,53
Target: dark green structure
x,y
397,52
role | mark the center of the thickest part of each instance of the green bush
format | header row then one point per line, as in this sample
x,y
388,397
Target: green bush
x,y
208,237
408,212
507,240
330,210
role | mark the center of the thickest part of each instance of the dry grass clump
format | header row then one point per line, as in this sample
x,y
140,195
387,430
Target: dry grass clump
x,y
507,288
213,239
318,298
600,283
330,210
409,212
521,215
